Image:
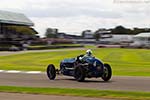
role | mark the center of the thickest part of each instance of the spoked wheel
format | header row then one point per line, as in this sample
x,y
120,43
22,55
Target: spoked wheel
x,y
107,72
51,72
79,73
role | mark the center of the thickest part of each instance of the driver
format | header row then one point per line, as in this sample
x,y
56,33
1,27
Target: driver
x,y
87,55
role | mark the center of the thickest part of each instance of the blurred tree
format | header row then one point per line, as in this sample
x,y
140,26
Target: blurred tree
x,y
83,34
51,33
140,30
97,36
121,30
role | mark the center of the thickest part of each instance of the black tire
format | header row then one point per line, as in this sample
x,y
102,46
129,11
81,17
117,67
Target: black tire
x,y
79,73
107,72
51,72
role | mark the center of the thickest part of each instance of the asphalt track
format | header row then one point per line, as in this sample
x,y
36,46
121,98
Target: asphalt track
x,y
17,96
40,80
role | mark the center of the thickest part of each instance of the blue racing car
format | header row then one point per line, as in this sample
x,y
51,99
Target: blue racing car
x,y
81,69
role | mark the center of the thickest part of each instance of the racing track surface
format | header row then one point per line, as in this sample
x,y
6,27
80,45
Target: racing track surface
x,y
18,96
41,80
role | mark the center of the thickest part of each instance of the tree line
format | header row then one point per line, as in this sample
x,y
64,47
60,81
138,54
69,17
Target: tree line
x,y
53,32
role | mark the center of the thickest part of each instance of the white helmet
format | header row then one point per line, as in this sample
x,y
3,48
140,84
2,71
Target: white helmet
x,y
89,52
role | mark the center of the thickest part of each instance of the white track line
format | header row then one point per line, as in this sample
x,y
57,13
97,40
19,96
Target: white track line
x,y
13,71
2,70
23,72
33,72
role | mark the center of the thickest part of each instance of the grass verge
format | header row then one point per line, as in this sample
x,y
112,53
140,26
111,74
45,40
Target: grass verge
x,y
44,47
123,95
124,62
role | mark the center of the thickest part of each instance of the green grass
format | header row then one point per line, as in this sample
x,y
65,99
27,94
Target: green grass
x,y
58,46
123,95
124,62
67,44
55,45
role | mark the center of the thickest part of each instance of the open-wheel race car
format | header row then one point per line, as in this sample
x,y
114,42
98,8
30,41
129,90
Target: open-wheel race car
x,y
91,67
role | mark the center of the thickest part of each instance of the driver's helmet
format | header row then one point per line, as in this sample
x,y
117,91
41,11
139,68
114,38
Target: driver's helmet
x,y
89,52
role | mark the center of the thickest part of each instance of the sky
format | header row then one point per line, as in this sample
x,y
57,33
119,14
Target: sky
x,y
74,16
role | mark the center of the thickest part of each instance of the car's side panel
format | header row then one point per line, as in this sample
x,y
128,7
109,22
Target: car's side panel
x,y
94,67
67,68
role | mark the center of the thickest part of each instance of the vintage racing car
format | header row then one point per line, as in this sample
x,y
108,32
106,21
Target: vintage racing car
x,y
91,67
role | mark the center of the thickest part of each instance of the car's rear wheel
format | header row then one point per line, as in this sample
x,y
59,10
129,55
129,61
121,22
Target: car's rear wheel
x,y
79,73
107,72
51,72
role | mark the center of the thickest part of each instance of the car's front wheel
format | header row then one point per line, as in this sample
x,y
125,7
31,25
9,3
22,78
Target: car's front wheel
x,y
79,73
107,72
51,72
